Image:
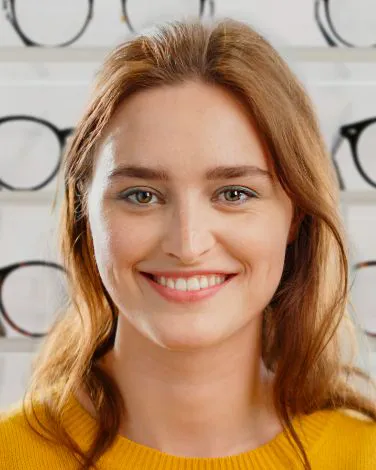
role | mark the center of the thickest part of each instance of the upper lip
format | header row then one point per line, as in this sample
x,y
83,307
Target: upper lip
x,y
184,274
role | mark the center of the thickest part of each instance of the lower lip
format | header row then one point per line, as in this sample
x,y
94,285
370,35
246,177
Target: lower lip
x,y
186,296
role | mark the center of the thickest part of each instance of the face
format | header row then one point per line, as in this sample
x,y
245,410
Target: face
x,y
142,223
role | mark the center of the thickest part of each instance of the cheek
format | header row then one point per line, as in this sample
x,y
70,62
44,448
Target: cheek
x,y
118,241
100,233
261,244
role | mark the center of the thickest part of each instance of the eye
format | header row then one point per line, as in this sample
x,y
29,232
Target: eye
x,y
143,196
249,194
143,200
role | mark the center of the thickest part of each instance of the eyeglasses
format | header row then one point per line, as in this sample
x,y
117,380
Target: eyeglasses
x,y
31,152
361,136
30,293
71,26
365,273
350,25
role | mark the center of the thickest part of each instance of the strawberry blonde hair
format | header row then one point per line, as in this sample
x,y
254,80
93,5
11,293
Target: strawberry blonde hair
x,y
306,318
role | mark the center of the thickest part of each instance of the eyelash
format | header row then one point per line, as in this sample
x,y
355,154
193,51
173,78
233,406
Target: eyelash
x,y
250,194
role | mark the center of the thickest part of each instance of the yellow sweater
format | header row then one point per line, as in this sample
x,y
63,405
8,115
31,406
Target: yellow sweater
x,y
332,439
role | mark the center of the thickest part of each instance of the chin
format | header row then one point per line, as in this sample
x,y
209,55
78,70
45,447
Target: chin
x,y
185,339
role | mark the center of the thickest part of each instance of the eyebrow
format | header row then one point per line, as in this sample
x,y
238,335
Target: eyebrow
x,y
217,173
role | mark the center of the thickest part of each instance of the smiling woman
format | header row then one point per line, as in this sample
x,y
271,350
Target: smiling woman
x,y
208,273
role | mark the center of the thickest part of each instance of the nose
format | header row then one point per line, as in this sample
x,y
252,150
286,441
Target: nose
x,y
188,235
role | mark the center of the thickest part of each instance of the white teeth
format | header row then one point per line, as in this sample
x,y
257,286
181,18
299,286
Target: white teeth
x,y
192,283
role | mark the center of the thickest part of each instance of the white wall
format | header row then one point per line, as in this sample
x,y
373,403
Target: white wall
x,y
58,92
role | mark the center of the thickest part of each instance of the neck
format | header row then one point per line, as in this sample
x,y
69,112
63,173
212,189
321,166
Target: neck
x,y
205,402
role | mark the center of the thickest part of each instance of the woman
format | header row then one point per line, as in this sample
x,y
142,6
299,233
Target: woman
x,y
205,321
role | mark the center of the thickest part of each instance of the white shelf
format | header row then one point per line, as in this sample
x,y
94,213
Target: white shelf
x,y
27,197
97,54
372,344
329,54
47,197
31,345
19,345
359,197
50,54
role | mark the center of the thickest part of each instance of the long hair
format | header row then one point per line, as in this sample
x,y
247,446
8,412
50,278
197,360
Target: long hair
x,y
307,317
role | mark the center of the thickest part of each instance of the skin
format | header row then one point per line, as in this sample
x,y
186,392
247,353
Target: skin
x,y
190,374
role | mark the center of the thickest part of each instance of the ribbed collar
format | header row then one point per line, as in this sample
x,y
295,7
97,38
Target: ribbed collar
x,y
125,453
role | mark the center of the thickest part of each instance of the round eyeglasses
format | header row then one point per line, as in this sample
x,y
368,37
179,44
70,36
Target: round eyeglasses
x,y
31,152
65,22
347,23
361,136
31,293
364,296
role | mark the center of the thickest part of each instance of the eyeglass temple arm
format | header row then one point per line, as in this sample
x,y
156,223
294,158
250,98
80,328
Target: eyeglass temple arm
x,y
65,133
335,146
5,8
328,39
2,329
10,16
211,7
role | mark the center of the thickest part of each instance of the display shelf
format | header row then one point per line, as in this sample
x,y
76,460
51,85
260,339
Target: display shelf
x,y
358,197
31,345
47,197
97,54
328,54
19,345
27,197
50,54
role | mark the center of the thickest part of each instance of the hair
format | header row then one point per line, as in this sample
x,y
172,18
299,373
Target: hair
x,y
310,373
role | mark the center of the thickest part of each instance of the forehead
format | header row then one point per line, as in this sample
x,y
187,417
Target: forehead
x,y
183,126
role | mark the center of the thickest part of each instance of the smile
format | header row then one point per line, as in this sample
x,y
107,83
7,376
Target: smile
x,y
193,289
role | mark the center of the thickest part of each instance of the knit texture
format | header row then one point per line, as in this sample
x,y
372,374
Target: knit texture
x,y
334,440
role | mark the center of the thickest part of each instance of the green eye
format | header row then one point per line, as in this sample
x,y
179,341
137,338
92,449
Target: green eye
x,y
238,190
146,195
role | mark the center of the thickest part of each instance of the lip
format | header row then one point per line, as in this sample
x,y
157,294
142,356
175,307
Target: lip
x,y
186,274
186,296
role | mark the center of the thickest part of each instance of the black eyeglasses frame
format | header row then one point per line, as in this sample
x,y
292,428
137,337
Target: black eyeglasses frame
x,y
4,273
61,135
10,13
332,28
352,132
357,267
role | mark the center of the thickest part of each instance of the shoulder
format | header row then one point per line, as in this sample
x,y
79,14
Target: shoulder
x,y
349,440
356,421
12,420
20,446
13,436
15,433
354,427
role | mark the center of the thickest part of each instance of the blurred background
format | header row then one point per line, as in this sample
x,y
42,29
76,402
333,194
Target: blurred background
x,y
49,54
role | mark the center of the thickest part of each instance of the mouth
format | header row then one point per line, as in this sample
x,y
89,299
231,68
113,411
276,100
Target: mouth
x,y
186,296
153,278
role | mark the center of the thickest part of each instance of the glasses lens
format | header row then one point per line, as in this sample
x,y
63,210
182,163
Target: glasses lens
x,y
146,13
51,22
367,153
30,152
364,298
31,296
354,22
